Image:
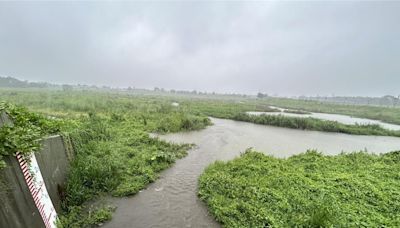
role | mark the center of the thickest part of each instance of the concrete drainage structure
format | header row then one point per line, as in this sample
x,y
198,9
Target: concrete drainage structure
x,y
18,209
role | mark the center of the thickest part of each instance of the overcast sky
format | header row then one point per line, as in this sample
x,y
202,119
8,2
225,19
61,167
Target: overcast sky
x,y
285,48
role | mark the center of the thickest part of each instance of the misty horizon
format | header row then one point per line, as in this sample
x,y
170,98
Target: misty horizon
x,y
283,48
172,90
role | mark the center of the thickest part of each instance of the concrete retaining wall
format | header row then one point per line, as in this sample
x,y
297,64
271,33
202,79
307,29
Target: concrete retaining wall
x,y
17,206
17,209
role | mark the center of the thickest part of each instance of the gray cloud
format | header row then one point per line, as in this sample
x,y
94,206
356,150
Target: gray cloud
x,y
289,48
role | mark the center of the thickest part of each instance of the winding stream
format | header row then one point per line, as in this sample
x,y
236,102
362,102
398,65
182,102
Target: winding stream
x,y
172,200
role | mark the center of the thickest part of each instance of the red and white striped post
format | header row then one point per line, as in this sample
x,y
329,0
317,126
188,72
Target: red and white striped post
x,y
37,187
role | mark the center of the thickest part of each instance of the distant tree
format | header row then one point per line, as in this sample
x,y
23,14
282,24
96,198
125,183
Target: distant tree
x,y
66,87
261,95
11,82
398,100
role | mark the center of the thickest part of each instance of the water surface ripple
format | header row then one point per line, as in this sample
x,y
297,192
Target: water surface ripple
x,y
172,200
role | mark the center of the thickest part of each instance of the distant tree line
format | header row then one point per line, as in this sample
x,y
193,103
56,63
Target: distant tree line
x,y
262,95
195,92
387,100
11,82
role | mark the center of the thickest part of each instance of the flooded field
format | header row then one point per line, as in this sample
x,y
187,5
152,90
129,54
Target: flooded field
x,y
327,116
172,200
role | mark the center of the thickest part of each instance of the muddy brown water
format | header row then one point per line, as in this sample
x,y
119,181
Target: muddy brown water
x,y
172,201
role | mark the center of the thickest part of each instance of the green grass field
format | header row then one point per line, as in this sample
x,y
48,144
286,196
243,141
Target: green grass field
x,y
307,190
115,155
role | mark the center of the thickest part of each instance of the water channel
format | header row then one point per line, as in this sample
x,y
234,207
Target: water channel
x,y
172,200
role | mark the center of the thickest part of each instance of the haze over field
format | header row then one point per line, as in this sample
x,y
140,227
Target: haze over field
x,y
289,48
199,113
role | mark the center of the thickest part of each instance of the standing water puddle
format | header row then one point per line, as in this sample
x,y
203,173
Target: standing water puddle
x,y
171,201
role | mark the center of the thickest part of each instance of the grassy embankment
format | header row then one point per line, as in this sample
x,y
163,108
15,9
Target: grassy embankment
x,y
316,125
307,190
226,108
236,110
296,112
110,135
385,114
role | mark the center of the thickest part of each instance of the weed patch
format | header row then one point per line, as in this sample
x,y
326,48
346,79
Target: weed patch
x,y
306,190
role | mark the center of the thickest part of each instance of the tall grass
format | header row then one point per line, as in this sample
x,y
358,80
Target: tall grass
x,y
315,124
114,154
307,190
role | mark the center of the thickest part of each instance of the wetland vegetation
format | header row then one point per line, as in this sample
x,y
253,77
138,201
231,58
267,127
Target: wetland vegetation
x,y
306,190
316,124
296,112
114,155
199,114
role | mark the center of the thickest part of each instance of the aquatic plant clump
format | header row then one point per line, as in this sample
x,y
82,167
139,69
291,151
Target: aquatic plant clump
x,y
306,190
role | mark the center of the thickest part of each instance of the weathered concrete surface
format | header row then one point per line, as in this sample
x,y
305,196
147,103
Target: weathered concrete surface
x,y
53,163
17,208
